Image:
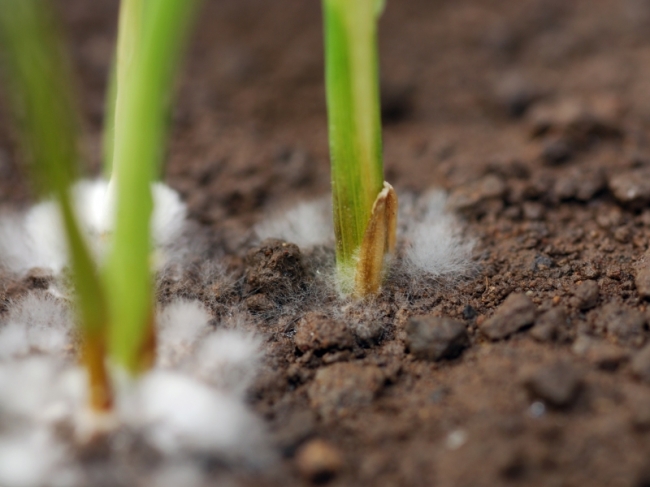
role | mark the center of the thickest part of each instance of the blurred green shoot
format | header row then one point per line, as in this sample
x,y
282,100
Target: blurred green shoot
x,y
39,85
364,225
150,42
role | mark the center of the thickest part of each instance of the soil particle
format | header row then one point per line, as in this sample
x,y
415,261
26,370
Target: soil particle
x,y
642,278
552,325
515,94
293,428
318,461
624,324
641,364
586,295
575,120
434,338
340,387
259,304
557,384
533,210
639,403
274,269
473,195
631,187
39,278
515,313
556,150
316,331
604,355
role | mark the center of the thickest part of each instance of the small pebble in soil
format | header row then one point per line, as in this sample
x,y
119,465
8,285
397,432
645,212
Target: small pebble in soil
x,y
557,384
586,295
638,400
456,439
631,187
537,409
318,461
551,325
275,269
435,338
542,263
39,278
556,150
602,354
623,323
472,196
341,386
515,313
316,331
642,278
641,364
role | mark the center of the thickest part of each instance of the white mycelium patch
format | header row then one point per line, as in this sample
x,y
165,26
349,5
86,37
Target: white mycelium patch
x,y
192,402
38,240
307,225
433,242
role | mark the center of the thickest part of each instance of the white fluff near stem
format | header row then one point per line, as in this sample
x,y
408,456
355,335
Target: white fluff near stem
x,y
434,245
307,225
38,322
38,239
191,403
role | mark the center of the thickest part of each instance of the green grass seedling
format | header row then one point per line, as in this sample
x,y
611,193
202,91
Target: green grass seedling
x,y
40,89
351,77
149,48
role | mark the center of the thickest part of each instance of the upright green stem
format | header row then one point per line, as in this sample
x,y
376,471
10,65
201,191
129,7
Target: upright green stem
x,y
351,74
39,82
144,83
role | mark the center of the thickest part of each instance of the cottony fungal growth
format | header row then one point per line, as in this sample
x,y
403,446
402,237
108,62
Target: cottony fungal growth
x,y
364,206
116,312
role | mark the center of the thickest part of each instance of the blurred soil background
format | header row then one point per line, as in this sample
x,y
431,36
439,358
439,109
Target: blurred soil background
x,y
534,115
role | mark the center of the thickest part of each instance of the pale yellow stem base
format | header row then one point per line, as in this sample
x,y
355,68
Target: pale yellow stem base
x,y
378,240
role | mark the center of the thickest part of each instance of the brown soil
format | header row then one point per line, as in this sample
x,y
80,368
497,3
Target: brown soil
x,y
534,114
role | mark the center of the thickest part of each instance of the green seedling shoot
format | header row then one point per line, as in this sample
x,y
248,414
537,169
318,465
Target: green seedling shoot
x,y
115,304
149,47
38,77
365,207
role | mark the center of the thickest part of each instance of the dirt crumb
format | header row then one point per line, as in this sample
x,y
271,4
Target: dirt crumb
x,y
641,364
623,323
552,325
341,386
642,278
318,461
316,331
586,294
515,313
434,338
275,269
472,195
604,355
557,384
631,187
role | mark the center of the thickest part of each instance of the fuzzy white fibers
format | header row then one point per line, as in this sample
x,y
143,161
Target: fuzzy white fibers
x,y
229,360
38,239
38,322
192,402
307,225
433,242
41,389
35,458
179,414
180,325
